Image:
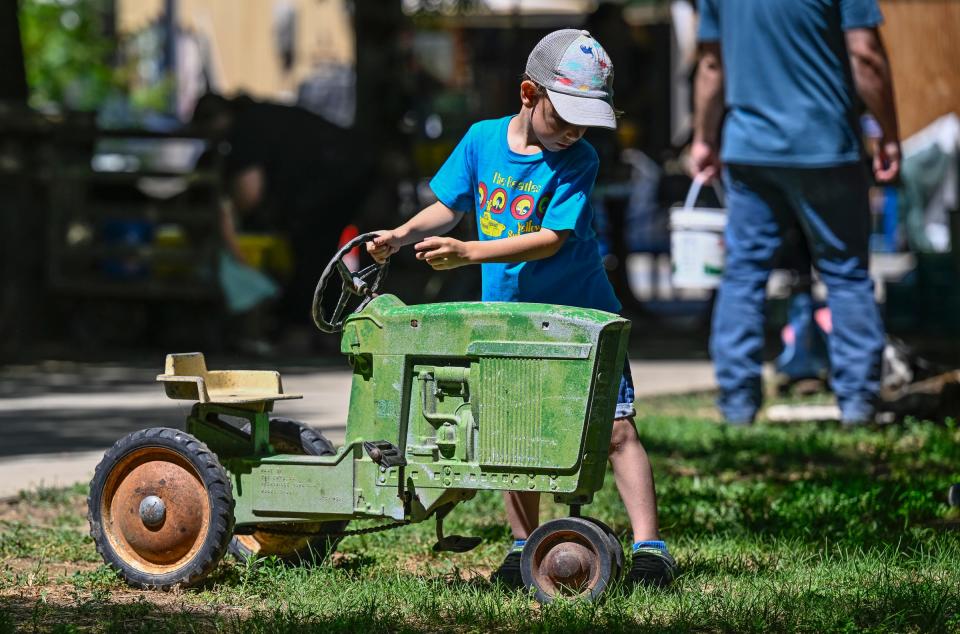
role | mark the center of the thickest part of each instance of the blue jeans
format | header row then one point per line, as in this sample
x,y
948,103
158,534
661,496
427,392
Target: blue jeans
x,y
831,206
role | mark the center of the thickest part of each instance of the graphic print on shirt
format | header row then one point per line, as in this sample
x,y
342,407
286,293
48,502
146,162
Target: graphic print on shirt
x,y
542,206
522,207
498,201
525,209
490,227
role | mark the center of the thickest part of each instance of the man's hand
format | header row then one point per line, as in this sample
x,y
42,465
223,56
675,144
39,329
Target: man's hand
x,y
886,160
704,161
384,245
443,253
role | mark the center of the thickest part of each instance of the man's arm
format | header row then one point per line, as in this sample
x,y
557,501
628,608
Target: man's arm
x,y
708,112
450,253
874,85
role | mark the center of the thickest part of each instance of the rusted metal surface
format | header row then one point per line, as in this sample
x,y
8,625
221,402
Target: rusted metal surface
x,y
565,563
267,543
142,483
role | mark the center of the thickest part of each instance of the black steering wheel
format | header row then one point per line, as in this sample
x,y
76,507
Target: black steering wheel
x,y
363,283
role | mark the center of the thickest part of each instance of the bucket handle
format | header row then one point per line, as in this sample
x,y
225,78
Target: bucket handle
x,y
698,182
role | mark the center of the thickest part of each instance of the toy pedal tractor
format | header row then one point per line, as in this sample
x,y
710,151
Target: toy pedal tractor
x,y
447,399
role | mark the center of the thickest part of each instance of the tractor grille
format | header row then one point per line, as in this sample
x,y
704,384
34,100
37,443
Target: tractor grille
x,y
510,425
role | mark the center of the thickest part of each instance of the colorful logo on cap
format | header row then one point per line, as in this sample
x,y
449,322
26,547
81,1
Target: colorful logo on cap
x,y
585,67
482,192
522,207
498,201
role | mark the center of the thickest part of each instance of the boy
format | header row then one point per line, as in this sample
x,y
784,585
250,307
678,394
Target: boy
x,y
529,178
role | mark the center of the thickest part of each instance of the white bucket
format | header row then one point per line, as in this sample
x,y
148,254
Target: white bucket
x,y
696,241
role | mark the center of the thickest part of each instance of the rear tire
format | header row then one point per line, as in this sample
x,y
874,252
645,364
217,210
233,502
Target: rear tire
x,y
160,509
273,540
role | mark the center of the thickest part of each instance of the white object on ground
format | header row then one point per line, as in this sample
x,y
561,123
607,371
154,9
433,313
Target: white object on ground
x,y
802,413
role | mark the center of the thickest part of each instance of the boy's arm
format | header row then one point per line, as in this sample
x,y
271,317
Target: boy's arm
x,y
437,218
450,253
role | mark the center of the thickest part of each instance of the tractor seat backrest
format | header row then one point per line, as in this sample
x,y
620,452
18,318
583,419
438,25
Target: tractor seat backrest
x,y
186,377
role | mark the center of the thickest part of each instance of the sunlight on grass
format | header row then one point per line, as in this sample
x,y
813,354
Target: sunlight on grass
x,y
802,527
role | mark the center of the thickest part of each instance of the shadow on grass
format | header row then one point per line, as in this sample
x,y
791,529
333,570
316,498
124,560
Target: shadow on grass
x,y
879,604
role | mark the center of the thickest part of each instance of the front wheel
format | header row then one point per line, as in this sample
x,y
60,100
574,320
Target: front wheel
x,y
568,558
160,509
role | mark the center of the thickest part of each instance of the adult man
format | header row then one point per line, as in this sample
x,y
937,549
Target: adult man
x,y
790,73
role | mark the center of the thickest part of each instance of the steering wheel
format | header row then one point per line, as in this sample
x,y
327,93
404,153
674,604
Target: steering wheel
x,y
363,283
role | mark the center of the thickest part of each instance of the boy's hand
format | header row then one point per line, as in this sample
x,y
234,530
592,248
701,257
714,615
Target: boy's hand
x,y
443,253
384,245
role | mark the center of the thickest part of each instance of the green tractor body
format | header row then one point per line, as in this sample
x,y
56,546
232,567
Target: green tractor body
x,y
452,398
446,400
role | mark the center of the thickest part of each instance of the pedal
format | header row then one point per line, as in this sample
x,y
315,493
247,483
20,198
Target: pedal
x,y
452,543
384,453
456,544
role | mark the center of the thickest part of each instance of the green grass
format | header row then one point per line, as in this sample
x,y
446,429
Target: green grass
x,y
776,528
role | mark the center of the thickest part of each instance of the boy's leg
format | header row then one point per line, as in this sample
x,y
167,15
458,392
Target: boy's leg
x,y
634,478
651,562
523,512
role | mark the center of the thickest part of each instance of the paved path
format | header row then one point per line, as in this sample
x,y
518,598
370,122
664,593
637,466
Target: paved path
x,y
57,420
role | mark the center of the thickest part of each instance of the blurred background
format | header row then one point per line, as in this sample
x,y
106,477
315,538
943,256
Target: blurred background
x,y
175,174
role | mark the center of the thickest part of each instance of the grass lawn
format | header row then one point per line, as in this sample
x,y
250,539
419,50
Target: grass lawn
x,y
803,527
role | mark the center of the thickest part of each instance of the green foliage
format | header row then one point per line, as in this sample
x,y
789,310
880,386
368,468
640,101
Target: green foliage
x,y
21,540
67,52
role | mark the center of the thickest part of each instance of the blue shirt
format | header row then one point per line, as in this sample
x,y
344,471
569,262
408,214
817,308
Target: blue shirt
x,y
789,88
512,194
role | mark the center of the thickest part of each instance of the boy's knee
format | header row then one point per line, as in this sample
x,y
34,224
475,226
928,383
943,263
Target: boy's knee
x,y
623,434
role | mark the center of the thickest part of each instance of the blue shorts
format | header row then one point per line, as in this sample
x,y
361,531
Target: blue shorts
x,y
625,396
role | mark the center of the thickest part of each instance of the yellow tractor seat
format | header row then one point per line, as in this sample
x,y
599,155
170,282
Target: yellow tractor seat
x,y
186,377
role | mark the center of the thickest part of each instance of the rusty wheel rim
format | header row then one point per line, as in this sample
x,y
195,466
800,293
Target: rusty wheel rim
x,y
155,509
566,563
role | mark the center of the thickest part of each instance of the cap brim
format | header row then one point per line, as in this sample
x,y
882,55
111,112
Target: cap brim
x,y
587,111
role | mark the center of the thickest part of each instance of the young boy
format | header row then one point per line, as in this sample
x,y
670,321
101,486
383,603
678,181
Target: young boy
x,y
529,178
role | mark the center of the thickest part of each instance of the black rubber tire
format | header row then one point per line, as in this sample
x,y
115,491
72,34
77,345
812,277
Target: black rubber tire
x,y
220,495
619,559
588,532
293,437
953,496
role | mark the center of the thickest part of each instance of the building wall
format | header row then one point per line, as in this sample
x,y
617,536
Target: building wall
x,y
244,52
923,40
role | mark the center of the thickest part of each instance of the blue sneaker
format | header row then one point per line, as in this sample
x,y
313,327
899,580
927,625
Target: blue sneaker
x,y
652,565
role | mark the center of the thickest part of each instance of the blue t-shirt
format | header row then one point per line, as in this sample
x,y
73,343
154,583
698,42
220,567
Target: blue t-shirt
x,y
789,88
513,194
